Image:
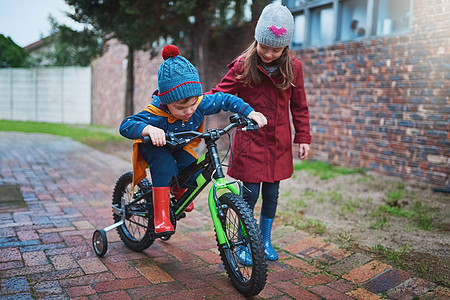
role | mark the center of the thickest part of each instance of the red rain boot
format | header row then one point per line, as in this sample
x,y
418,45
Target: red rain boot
x,y
161,211
178,192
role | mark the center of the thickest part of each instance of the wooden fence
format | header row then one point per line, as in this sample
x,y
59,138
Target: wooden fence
x,y
54,95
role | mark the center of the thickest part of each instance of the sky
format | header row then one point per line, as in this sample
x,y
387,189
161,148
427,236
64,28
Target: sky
x,y
26,21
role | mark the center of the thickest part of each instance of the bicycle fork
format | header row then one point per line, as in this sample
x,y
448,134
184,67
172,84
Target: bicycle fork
x,y
216,209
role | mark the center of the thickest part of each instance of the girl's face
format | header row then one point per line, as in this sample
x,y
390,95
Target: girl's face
x,y
184,108
268,54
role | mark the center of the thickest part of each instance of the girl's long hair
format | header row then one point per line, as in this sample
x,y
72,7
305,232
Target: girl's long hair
x,y
251,76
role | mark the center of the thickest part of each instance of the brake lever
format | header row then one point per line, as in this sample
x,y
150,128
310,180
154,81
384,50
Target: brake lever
x,y
251,125
174,141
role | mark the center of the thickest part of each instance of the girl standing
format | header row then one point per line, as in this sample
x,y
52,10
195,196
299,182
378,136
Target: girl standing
x,y
268,77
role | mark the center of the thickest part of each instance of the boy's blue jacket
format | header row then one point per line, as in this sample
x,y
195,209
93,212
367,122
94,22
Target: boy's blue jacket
x,y
132,126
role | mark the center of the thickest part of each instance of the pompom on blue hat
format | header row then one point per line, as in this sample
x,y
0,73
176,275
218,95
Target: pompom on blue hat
x,y
177,77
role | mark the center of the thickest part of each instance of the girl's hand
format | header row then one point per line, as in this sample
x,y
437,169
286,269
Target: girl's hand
x,y
303,151
157,135
259,118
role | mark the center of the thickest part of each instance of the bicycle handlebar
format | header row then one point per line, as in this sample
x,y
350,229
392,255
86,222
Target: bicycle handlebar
x,y
175,139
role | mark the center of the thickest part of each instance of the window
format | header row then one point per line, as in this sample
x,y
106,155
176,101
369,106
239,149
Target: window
x,y
352,19
324,22
299,30
321,25
295,3
392,16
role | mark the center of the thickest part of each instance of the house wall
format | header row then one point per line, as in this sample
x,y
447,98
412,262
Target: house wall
x,y
383,103
109,79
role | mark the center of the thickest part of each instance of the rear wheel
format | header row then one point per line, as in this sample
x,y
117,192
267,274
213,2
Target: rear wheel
x,y
136,230
241,231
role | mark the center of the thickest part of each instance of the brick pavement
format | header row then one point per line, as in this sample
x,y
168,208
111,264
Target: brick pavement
x,y
45,246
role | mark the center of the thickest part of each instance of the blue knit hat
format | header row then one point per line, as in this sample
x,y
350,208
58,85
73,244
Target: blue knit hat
x,y
275,26
177,77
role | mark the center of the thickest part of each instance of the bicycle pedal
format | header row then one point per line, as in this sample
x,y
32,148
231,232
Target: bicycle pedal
x,y
166,234
181,216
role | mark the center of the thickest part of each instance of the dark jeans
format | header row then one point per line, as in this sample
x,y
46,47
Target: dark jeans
x,y
165,164
269,197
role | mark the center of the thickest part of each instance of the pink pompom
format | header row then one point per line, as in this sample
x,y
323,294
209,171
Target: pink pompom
x,y
170,51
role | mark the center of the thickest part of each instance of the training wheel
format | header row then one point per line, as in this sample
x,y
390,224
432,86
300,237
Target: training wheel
x,y
100,242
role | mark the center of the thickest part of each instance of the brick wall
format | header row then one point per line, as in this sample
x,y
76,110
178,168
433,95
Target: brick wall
x,y
108,83
383,103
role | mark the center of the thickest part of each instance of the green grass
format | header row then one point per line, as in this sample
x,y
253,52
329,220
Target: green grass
x,y
81,133
313,226
326,171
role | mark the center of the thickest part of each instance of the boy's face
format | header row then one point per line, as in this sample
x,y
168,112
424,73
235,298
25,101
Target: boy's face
x,y
183,109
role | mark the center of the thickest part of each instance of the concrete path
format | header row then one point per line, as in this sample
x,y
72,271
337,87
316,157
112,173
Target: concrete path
x,y
46,253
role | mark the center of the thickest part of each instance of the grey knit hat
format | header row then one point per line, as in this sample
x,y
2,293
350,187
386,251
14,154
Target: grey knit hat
x,y
177,77
275,26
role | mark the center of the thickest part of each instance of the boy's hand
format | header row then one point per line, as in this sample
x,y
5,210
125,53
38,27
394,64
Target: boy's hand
x,y
303,150
157,135
259,118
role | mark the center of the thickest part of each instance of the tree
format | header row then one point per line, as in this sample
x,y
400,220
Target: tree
x,y
12,55
143,24
198,20
68,47
139,24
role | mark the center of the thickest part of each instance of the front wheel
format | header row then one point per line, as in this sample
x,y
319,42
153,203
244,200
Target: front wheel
x,y
248,275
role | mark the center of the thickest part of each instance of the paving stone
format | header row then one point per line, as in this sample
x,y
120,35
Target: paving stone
x,y
283,275
302,266
122,270
414,288
35,258
123,284
155,274
208,256
363,294
387,280
11,265
26,235
92,265
87,279
122,295
14,285
316,279
77,291
347,264
55,275
342,285
150,291
329,293
26,271
9,254
295,291
366,272
47,288
63,262
48,238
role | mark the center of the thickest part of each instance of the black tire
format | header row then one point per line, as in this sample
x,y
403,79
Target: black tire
x,y
100,242
136,231
248,280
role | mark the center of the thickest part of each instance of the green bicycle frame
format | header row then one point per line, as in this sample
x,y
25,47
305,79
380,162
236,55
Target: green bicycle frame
x,y
201,182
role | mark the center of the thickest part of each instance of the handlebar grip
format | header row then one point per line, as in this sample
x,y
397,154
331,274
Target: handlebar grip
x,y
147,140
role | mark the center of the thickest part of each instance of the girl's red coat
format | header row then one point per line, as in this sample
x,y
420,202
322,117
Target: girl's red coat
x,y
266,155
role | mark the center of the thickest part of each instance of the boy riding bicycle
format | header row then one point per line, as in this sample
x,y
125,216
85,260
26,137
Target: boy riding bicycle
x,y
178,105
